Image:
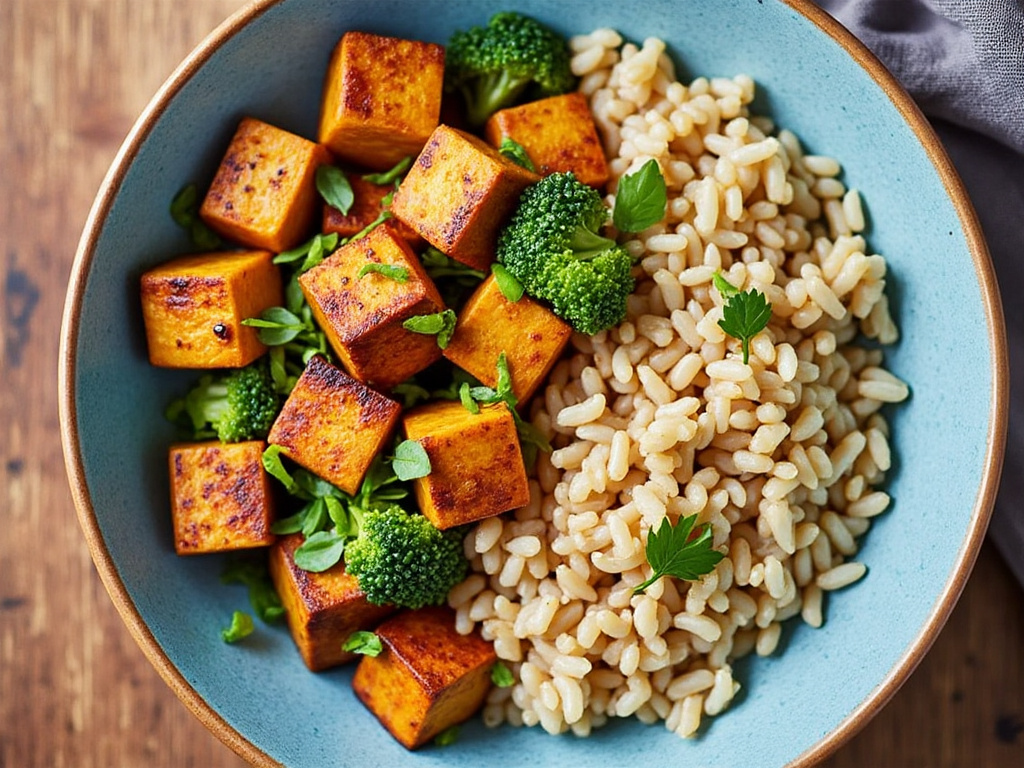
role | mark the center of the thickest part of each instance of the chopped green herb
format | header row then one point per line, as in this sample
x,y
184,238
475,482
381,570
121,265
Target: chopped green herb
x,y
641,199
510,288
394,174
320,551
466,396
364,643
440,324
275,468
515,152
241,626
262,596
185,212
333,186
311,252
411,460
745,315
391,271
680,551
447,737
501,675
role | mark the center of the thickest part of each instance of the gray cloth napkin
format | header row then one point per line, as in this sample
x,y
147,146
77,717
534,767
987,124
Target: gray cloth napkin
x,y
963,62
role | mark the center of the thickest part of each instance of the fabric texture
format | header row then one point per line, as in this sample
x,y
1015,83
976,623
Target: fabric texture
x,y
963,63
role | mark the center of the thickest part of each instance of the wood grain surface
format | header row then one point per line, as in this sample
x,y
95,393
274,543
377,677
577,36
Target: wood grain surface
x,y
74,688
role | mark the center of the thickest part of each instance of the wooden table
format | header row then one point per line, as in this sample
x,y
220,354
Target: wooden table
x,y
74,688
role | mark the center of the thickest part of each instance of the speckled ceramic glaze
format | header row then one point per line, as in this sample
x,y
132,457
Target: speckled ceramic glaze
x,y
794,707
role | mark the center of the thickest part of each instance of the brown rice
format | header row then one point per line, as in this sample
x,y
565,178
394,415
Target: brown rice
x,y
660,418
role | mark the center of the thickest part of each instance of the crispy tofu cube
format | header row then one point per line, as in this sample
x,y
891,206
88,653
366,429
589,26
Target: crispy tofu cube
x,y
529,334
264,193
220,497
476,466
193,308
381,99
558,133
428,678
367,204
362,316
322,609
333,425
458,194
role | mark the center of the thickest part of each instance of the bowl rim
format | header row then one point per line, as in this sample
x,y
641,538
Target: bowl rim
x,y
984,270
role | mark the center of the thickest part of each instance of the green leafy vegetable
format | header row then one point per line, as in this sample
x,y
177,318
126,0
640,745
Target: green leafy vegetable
x,y
725,288
333,186
391,271
509,286
466,397
394,174
364,643
311,253
262,596
641,199
440,324
320,551
411,460
447,737
680,551
241,626
185,212
515,152
501,675
744,316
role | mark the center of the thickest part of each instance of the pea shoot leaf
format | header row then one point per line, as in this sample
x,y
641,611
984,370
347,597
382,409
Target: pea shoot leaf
x,y
510,288
364,643
680,550
411,460
320,551
440,324
393,174
515,152
333,186
241,627
391,271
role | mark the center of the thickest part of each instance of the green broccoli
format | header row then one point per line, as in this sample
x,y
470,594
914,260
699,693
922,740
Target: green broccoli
x,y
240,404
402,559
553,247
512,56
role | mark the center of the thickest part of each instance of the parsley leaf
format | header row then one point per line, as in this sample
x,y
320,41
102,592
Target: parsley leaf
x,y
510,288
391,175
641,199
411,460
364,643
440,324
744,316
241,626
515,152
680,551
334,188
501,675
391,271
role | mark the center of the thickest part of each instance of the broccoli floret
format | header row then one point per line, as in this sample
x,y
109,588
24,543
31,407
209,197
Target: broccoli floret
x,y
553,246
240,404
494,65
402,559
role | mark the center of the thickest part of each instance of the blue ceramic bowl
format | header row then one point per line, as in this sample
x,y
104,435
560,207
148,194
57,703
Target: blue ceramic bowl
x,y
795,707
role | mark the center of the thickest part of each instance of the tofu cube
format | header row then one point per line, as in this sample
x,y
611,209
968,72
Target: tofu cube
x,y
367,203
362,316
333,425
558,133
476,466
193,308
428,678
220,497
264,193
322,609
458,194
381,99
529,334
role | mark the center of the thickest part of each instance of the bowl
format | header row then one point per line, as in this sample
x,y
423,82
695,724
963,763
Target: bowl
x,y
797,705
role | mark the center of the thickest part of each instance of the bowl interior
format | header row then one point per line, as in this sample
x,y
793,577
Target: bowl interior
x,y
945,437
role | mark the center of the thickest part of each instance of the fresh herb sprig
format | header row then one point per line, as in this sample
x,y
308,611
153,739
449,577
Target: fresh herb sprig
x,y
680,550
364,643
515,152
641,199
334,188
744,314
392,175
439,324
394,272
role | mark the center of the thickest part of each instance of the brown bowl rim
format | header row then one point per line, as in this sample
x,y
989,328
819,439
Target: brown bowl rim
x,y
846,728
